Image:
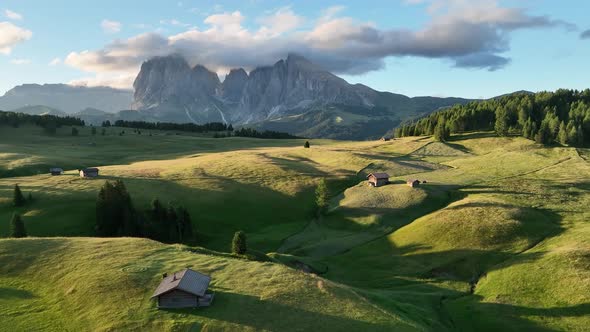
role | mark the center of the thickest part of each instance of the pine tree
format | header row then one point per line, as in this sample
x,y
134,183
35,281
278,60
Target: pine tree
x,y
17,227
306,145
115,215
185,224
238,244
172,224
321,197
501,125
18,199
573,135
562,135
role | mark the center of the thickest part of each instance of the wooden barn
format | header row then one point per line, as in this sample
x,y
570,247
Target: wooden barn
x,y
56,171
378,179
184,289
413,183
90,172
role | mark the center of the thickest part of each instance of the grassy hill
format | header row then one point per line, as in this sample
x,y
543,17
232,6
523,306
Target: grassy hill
x,y
497,239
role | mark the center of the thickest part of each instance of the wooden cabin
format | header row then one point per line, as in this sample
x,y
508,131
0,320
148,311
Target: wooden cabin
x,y
413,183
90,172
56,171
184,289
386,138
378,179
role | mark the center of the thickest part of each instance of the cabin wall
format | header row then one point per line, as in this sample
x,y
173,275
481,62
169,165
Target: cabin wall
x,y
177,299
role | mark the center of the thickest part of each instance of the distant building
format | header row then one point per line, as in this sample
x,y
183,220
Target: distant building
x,y
90,172
413,183
378,179
386,138
184,289
56,171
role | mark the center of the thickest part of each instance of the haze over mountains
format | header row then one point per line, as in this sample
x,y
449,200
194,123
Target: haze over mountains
x,y
293,95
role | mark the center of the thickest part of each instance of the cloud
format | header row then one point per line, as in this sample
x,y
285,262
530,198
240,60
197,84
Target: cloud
x,y
55,62
585,34
20,61
10,35
109,26
282,21
12,15
469,34
120,81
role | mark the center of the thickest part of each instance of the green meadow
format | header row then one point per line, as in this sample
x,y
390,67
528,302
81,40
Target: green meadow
x,y
497,239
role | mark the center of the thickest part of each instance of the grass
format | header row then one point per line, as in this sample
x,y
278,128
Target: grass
x,y
497,239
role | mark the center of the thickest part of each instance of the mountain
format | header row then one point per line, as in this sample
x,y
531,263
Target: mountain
x,y
66,98
40,110
294,95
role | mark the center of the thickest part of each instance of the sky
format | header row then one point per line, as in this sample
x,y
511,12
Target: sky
x,y
462,48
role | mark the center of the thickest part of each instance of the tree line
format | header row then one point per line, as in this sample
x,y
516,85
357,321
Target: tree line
x,y
189,127
46,121
562,116
250,132
117,216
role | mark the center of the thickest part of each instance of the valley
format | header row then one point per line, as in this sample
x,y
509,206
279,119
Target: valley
x,y
496,239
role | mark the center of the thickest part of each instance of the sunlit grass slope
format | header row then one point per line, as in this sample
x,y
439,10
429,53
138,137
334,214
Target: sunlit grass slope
x,y
95,284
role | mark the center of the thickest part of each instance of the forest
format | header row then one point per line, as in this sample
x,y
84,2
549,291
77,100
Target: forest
x,y
560,117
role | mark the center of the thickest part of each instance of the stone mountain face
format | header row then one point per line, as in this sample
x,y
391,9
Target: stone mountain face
x,y
168,89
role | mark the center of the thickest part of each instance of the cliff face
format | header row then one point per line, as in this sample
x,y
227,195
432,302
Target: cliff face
x,y
288,85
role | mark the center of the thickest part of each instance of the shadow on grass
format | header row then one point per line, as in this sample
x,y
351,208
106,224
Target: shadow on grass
x,y
256,313
473,314
15,293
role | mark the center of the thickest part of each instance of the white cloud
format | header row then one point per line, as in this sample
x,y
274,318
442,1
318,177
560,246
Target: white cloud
x,y
12,15
10,35
55,62
109,26
118,81
283,20
20,61
474,36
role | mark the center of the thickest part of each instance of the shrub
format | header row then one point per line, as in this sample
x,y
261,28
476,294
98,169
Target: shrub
x,y
306,145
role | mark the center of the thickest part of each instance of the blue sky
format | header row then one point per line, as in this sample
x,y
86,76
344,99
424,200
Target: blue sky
x,y
414,47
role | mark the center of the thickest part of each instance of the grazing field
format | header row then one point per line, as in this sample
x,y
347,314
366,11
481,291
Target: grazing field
x,y
497,238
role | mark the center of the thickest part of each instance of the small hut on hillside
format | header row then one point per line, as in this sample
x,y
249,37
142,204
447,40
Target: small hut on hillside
x,y
386,138
378,179
56,171
413,183
184,289
90,172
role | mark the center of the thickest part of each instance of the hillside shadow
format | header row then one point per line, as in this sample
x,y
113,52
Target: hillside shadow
x,y
254,312
473,314
15,293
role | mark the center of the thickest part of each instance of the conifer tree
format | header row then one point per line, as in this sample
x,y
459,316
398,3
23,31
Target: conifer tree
x,y
17,198
238,244
17,227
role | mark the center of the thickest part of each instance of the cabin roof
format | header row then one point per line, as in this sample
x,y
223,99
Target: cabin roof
x,y
90,169
55,169
379,175
186,280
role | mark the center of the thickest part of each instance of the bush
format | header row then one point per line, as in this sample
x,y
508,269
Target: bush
x,y
17,227
238,244
306,145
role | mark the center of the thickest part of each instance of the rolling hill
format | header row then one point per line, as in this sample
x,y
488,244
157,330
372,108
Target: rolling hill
x,y
497,239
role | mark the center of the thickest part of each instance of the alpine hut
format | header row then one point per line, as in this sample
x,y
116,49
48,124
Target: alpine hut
x,y
90,172
56,171
184,289
378,179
